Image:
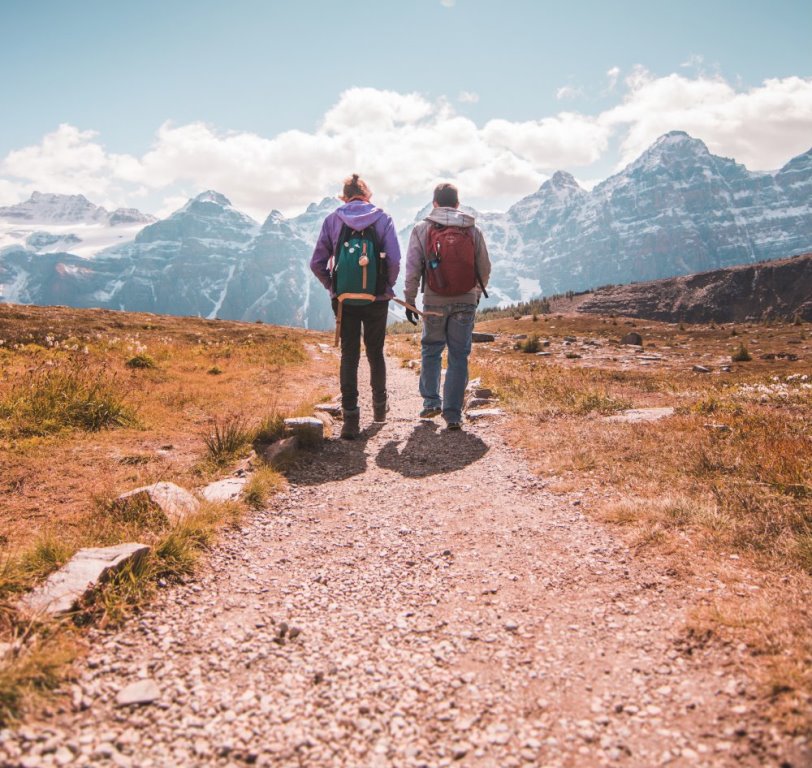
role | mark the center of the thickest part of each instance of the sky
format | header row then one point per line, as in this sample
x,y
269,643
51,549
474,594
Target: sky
x,y
149,102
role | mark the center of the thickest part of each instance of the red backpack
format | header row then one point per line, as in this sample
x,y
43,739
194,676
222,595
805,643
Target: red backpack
x,y
451,260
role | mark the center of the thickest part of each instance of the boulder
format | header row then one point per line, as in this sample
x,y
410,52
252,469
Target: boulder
x,y
632,338
172,500
79,577
479,338
281,453
700,369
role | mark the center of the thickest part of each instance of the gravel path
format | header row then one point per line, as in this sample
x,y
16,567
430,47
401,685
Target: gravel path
x,y
416,598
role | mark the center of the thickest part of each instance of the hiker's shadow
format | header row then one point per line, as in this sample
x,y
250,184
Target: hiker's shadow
x,y
430,451
335,460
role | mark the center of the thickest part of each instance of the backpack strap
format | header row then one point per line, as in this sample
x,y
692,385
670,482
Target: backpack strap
x,y
476,270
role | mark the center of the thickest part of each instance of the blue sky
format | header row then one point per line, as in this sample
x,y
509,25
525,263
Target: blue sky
x,y
143,103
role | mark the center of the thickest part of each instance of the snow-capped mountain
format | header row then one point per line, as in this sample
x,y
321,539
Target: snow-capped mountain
x,y
49,223
206,259
44,208
676,210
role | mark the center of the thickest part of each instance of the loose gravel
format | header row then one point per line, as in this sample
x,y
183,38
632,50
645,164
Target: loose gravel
x,y
416,598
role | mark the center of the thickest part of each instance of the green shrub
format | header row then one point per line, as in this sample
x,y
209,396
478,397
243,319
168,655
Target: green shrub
x,y
270,429
741,355
141,361
227,439
531,344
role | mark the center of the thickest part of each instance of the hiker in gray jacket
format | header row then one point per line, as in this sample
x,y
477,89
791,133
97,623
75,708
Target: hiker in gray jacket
x,y
447,253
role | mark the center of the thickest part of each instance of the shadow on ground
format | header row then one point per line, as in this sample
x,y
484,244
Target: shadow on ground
x,y
336,460
431,451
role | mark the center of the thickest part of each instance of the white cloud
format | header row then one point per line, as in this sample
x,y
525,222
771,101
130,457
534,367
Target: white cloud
x,y
403,143
612,76
694,61
468,97
568,92
762,127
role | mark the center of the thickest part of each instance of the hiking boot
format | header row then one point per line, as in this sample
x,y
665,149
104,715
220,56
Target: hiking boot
x,y
351,427
429,413
379,410
453,426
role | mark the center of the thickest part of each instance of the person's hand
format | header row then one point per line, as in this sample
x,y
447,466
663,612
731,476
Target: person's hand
x,y
411,316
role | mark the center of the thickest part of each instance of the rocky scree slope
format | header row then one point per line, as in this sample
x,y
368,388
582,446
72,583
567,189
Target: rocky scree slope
x,y
781,288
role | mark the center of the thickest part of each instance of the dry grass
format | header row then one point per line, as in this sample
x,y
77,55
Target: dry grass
x,y
727,479
94,403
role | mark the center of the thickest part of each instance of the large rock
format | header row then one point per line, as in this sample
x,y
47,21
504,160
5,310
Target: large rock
x,y
281,453
79,577
172,500
632,338
478,338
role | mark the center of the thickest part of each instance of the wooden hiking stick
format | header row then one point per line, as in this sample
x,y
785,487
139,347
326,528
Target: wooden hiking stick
x,y
367,297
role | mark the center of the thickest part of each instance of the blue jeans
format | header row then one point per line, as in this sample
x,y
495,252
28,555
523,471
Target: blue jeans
x,y
454,330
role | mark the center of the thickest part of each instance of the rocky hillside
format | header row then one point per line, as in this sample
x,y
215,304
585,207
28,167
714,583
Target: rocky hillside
x,y
773,289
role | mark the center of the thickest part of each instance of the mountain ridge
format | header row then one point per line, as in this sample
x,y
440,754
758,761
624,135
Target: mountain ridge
x,y
677,209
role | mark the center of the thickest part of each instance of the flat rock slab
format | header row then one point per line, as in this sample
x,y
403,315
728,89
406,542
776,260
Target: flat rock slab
x,y
642,414
228,489
308,429
333,409
483,413
79,577
175,502
479,402
141,692
479,338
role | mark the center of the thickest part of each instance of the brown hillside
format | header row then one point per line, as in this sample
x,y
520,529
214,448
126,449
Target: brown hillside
x,y
773,289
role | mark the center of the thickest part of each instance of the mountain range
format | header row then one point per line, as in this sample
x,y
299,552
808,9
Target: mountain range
x,y
676,210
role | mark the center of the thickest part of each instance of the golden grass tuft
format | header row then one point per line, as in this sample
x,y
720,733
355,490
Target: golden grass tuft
x,y
264,483
67,394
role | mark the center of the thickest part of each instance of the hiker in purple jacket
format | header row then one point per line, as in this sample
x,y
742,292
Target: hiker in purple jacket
x,y
358,214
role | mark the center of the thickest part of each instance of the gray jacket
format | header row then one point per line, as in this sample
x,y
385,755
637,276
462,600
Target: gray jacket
x,y
416,257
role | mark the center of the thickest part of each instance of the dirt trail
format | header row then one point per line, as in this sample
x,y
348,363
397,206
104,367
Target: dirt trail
x,y
449,609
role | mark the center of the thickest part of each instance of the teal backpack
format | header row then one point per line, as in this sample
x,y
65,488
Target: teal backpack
x,y
359,268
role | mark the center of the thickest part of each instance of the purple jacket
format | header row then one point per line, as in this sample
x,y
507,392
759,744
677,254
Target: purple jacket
x,y
358,215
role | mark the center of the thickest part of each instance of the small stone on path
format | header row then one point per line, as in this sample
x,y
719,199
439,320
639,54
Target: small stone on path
x,y
141,692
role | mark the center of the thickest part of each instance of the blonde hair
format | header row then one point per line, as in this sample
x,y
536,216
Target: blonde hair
x,y
355,188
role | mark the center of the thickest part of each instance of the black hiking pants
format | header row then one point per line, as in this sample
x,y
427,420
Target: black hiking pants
x,y
371,320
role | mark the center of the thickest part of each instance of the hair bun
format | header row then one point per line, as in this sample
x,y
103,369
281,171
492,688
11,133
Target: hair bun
x,y
354,178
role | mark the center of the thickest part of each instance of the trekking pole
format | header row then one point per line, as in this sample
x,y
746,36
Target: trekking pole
x,y
415,309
